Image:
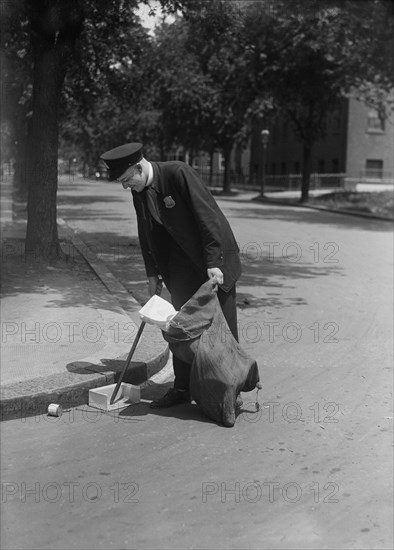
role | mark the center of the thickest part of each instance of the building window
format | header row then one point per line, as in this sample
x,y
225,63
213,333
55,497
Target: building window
x,y
375,121
374,168
321,167
297,167
273,169
283,168
335,166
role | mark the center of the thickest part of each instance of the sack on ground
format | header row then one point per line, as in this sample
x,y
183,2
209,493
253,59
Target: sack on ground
x,y
221,369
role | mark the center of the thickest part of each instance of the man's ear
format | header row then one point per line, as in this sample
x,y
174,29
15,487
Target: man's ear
x,y
139,168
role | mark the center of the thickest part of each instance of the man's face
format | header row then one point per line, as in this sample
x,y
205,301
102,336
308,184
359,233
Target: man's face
x,y
134,178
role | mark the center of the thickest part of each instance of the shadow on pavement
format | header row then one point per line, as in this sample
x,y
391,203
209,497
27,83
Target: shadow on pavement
x,y
182,412
280,273
87,199
63,283
249,301
80,213
136,373
188,411
114,249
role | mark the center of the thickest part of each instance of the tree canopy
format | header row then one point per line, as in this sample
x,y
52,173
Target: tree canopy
x,y
91,73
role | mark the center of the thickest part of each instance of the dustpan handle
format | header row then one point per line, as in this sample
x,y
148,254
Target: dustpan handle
x,y
136,340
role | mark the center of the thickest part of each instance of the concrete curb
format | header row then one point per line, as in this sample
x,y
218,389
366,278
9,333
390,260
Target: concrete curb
x,y
71,387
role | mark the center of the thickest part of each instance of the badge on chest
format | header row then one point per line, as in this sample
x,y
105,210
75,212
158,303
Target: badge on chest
x,y
169,202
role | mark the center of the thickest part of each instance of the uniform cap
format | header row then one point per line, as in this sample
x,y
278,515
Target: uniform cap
x,y
119,159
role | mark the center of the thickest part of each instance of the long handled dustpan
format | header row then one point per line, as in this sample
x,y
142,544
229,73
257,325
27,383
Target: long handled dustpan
x,y
106,397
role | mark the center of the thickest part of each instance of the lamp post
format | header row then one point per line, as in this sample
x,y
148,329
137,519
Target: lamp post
x,y
265,134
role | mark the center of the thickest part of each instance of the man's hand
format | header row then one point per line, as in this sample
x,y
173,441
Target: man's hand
x,y
155,285
215,272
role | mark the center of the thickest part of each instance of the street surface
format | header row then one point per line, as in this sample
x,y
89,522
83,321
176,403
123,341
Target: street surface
x,y
312,469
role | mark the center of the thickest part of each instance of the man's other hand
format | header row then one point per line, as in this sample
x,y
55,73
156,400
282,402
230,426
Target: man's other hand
x,y
155,285
215,272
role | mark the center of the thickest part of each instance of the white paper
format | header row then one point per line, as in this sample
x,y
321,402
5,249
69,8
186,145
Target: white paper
x,y
157,311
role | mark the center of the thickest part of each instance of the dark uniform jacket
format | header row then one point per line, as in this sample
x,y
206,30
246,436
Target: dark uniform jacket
x,y
192,218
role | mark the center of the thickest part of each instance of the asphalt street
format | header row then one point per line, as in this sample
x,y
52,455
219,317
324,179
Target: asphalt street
x,y
311,469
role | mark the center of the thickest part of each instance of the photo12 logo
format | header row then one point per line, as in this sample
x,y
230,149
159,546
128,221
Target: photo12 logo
x,y
67,331
268,491
292,412
69,491
291,251
252,332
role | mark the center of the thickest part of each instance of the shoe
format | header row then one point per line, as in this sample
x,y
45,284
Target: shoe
x,y
171,398
238,402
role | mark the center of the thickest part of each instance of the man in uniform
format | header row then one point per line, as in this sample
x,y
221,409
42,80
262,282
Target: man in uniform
x,y
184,236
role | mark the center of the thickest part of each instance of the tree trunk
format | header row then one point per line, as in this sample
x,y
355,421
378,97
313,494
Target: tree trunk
x,y
55,27
306,170
255,160
22,154
211,156
227,169
20,179
238,165
42,237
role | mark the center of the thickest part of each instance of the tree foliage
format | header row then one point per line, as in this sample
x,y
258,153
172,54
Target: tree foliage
x,y
103,87
199,82
217,39
62,36
312,54
16,77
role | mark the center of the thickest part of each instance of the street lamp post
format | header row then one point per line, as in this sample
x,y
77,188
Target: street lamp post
x,y
265,134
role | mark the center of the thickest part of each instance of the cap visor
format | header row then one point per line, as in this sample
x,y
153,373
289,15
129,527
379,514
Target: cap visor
x,y
115,174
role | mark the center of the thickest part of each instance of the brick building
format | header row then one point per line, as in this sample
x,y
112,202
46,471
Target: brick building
x,y
358,148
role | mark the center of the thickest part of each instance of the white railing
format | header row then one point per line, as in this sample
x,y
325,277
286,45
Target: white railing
x,y
277,182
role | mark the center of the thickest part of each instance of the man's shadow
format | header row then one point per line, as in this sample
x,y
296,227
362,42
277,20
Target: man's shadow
x,y
153,391
186,411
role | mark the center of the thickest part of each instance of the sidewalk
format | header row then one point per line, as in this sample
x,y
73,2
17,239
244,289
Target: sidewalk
x,y
67,327
291,198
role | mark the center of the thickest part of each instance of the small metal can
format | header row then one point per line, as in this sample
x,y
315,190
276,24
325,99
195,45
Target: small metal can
x,y
55,410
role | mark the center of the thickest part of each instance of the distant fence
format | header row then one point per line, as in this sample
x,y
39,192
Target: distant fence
x,y
6,171
277,182
241,180
375,176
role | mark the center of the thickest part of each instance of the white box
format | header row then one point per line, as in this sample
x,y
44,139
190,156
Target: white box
x,y
128,394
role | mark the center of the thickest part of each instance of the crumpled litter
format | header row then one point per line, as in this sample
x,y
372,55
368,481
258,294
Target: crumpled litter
x,y
157,311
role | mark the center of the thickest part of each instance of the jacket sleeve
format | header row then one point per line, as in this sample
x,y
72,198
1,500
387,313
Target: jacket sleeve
x,y
206,214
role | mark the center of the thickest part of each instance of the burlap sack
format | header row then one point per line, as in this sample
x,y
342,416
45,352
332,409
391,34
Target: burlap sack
x,y
199,335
